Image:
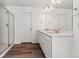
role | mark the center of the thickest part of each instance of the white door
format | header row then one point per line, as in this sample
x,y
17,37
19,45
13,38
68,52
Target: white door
x,y
25,27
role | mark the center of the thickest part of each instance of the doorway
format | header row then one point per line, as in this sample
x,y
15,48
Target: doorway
x,y
25,27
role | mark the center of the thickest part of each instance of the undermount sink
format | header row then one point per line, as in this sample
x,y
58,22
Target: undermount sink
x,y
51,32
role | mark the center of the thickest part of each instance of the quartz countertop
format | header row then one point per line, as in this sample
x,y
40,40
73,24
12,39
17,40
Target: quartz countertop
x,y
60,34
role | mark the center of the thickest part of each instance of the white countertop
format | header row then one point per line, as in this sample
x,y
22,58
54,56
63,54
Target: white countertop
x,y
61,34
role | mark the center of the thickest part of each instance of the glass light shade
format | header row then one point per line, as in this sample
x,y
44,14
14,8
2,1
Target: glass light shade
x,y
58,2
46,9
50,9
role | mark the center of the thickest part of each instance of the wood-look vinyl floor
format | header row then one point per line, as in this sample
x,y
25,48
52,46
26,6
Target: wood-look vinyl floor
x,y
25,51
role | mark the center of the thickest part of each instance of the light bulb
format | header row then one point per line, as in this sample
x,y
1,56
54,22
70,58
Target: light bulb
x,y
53,1
58,2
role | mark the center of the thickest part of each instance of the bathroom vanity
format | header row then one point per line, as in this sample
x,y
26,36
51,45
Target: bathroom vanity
x,y
45,42
55,45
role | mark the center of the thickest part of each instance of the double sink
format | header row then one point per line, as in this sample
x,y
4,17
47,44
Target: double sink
x,y
57,32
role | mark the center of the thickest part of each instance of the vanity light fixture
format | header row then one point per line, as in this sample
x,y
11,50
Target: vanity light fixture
x,y
53,1
50,9
59,1
46,9
56,1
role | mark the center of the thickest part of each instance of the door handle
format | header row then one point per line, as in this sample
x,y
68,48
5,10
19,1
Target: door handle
x,y
7,25
31,29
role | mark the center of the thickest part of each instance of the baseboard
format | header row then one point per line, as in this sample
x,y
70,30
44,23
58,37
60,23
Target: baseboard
x,y
26,42
36,43
2,55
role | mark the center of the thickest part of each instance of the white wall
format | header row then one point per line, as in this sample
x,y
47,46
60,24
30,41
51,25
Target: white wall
x,y
36,12
76,30
38,20
52,19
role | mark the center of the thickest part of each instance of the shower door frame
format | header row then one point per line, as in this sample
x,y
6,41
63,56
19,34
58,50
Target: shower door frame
x,y
13,29
8,29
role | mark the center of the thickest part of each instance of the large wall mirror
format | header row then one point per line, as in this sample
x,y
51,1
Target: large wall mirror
x,y
61,16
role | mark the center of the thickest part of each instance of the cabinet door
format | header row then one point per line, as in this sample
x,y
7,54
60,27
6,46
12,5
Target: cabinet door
x,y
3,29
61,47
41,42
46,45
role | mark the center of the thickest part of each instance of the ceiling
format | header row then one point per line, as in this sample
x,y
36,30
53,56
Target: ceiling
x,y
67,4
28,3
35,3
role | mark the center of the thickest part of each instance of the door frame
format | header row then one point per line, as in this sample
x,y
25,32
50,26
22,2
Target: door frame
x,y
13,28
8,23
8,27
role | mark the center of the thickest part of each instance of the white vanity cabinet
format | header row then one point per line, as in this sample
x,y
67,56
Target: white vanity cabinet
x,y
56,45
46,44
61,47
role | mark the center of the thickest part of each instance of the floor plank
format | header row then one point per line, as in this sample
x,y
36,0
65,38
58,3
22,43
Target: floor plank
x,y
25,51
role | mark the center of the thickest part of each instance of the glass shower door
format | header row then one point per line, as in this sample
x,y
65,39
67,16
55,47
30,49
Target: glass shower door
x,y
11,28
3,29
